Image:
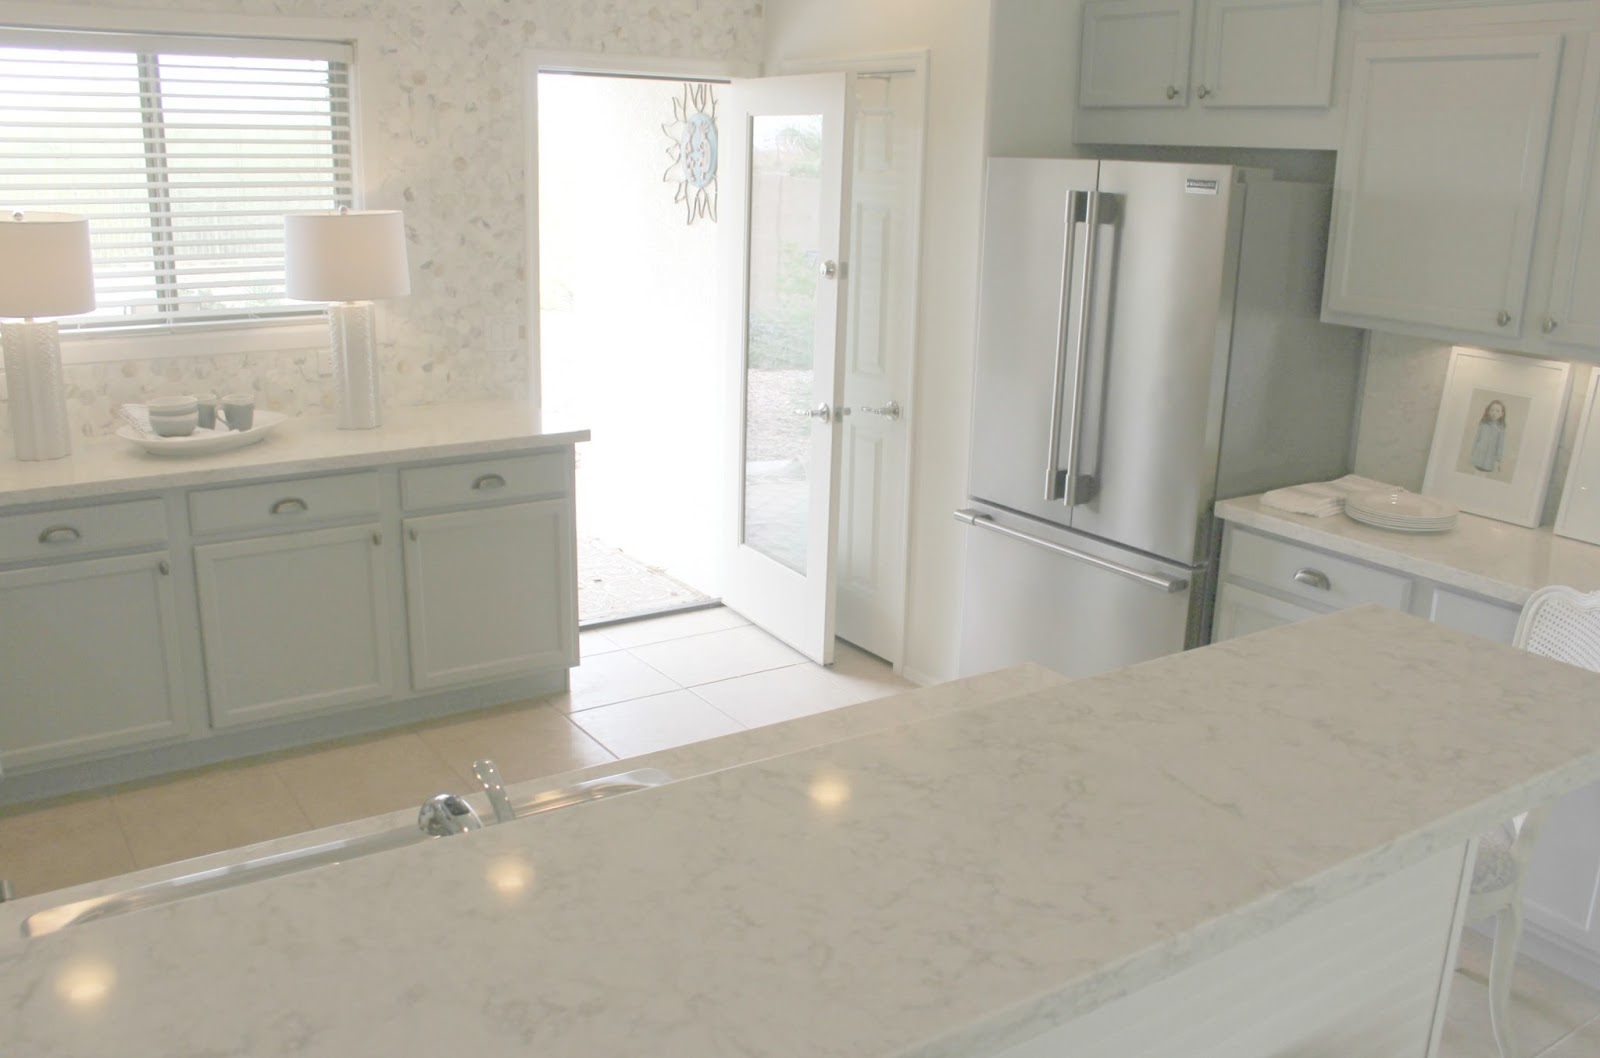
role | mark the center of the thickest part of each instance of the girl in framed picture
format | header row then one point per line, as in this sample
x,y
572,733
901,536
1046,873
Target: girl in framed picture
x,y
1489,444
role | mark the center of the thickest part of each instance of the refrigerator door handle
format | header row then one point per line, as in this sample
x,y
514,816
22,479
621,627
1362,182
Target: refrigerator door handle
x,y
1057,482
1170,585
1076,489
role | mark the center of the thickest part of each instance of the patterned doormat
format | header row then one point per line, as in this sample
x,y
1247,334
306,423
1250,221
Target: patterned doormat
x,y
613,585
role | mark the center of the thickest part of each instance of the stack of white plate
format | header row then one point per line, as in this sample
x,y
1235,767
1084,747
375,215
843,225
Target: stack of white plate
x,y
1402,511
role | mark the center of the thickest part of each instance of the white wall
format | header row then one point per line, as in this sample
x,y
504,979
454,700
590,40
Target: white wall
x,y
956,35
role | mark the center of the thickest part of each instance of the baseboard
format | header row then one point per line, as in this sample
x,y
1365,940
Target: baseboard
x,y
216,747
1560,954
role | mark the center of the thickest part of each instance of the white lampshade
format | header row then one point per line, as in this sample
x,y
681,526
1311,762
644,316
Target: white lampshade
x,y
45,265
358,255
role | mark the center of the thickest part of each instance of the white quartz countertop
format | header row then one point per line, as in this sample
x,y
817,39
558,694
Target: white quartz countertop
x,y
101,466
1494,559
944,886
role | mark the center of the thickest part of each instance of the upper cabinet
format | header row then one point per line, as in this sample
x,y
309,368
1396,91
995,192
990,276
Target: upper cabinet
x,y
1243,73
1573,312
1439,179
1467,194
1135,53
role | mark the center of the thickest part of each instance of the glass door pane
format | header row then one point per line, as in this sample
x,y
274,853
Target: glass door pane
x,y
784,253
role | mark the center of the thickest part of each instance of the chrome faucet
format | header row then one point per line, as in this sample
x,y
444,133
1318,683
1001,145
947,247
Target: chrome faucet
x,y
444,814
489,775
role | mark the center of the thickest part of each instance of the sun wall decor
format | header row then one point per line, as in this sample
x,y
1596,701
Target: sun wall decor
x,y
693,153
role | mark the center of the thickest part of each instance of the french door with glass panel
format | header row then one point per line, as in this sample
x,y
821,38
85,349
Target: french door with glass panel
x,y
783,180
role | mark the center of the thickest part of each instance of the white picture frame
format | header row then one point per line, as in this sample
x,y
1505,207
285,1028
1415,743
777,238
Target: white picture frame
x,y
1497,465
1579,514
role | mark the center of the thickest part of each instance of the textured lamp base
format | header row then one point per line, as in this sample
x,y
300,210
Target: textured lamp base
x,y
38,401
355,365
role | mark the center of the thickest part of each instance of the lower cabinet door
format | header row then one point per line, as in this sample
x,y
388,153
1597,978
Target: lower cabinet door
x,y
89,659
294,624
1241,611
490,593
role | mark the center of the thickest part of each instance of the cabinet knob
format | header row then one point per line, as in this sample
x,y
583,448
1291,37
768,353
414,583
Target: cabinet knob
x,y
1550,324
412,532
1172,91
1313,578
1504,318
1202,91
60,534
165,567
377,537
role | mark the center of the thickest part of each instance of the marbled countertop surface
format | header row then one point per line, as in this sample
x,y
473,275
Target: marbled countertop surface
x,y
944,885
102,466
1493,559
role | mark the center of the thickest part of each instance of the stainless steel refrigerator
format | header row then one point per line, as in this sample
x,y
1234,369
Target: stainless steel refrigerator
x,y
1148,342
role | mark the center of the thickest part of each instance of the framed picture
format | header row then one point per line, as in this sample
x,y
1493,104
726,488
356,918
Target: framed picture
x,y
1496,435
1579,516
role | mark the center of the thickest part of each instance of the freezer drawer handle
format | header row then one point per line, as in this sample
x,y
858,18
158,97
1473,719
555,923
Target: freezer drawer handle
x,y
1170,585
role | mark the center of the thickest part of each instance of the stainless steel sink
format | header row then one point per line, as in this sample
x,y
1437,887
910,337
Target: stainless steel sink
x,y
291,861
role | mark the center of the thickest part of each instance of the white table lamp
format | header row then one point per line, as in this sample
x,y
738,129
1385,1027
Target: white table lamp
x,y
349,258
45,270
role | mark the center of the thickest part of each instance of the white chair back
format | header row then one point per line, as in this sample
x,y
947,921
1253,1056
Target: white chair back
x,y
1562,623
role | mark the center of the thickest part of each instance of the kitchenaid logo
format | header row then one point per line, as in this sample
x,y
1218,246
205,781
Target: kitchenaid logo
x,y
1200,187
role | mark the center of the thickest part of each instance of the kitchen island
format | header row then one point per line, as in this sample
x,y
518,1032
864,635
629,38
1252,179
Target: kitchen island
x,y
1259,847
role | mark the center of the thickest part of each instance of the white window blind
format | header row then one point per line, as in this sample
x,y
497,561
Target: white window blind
x,y
184,153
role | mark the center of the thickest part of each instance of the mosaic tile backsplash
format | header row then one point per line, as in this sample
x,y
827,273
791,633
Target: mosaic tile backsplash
x,y
1400,402
446,123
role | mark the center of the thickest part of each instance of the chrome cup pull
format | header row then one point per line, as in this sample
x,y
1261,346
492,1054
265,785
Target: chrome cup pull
x,y
1313,578
289,505
487,482
60,534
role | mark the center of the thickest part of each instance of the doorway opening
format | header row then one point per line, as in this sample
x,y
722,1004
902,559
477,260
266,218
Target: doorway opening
x,y
628,336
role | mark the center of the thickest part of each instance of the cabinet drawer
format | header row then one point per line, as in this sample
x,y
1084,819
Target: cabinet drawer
x,y
1325,579
82,530
301,501
484,481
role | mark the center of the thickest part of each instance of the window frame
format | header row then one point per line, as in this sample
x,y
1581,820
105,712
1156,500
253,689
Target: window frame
x,y
219,338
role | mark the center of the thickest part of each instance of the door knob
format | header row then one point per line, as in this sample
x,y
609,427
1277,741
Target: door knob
x,y
890,411
821,411
828,269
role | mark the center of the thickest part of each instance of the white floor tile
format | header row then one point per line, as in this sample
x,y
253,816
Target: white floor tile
x,y
662,721
673,626
717,655
783,694
596,642
607,678
1546,1006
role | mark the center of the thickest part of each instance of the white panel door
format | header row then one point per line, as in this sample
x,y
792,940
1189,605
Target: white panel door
x,y
88,659
785,175
885,203
1135,53
1438,183
1574,316
294,624
490,593
1267,53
